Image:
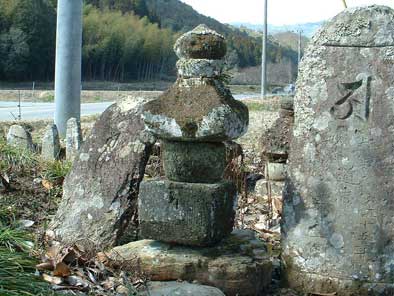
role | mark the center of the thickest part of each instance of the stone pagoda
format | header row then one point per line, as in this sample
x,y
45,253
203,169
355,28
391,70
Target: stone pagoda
x,y
193,205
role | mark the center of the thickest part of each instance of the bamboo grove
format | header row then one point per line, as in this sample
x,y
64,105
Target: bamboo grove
x,y
123,40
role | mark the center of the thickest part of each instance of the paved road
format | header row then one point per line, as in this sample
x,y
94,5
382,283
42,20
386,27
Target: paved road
x,y
46,110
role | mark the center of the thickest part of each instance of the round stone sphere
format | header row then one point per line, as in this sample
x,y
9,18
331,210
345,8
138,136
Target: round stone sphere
x,y
201,43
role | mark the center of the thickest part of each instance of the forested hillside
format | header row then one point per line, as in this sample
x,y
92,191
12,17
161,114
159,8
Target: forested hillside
x,y
122,39
290,39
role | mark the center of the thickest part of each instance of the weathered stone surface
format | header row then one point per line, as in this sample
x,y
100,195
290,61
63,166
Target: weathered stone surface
x,y
275,142
275,171
201,112
239,265
338,227
73,138
263,187
179,288
355,28
51,143
100,193
19,137
201,43
194,162
197,110
186,213
188,68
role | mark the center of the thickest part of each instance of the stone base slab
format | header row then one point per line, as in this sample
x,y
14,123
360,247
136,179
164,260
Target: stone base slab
x,y
304,282
192,214
179,288
239,265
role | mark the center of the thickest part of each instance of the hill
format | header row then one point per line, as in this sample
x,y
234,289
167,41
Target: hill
x,y
123,40
308,29
244,48
290,40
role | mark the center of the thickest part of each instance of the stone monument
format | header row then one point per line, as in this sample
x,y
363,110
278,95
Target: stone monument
x,y
51,143
188,215
19,137
73,138
193,205
99,205
338,226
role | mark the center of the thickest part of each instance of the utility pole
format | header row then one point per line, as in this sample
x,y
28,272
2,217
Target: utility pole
x,y
68,63
264,53
299,46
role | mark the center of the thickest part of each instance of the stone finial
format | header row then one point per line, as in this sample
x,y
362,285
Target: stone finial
x,y
73,138
194,205
198,107
201,43
19,137
51,143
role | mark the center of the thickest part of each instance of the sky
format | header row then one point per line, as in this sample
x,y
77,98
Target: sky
x,y
280,12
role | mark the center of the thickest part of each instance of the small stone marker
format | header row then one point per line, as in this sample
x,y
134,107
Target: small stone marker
x,y
73,138
275,171
19,137
99,204
338,226
3,135
194,205
51,143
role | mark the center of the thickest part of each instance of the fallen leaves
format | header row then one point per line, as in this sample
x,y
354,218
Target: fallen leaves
x,y
47,184
70,268
61,270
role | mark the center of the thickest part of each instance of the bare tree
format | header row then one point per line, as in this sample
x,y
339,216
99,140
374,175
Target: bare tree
x,y
344,3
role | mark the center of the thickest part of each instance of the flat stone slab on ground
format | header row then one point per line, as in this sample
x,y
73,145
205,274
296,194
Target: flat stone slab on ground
x,y
180,288
238,265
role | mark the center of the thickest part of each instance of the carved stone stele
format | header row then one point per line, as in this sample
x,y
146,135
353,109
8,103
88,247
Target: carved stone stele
x,y
338,226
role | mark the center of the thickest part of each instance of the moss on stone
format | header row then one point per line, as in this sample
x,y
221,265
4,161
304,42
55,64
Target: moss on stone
x,y
201,43
188,105
194,162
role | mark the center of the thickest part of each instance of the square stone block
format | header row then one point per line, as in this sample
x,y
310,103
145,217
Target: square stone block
x,y
192,214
